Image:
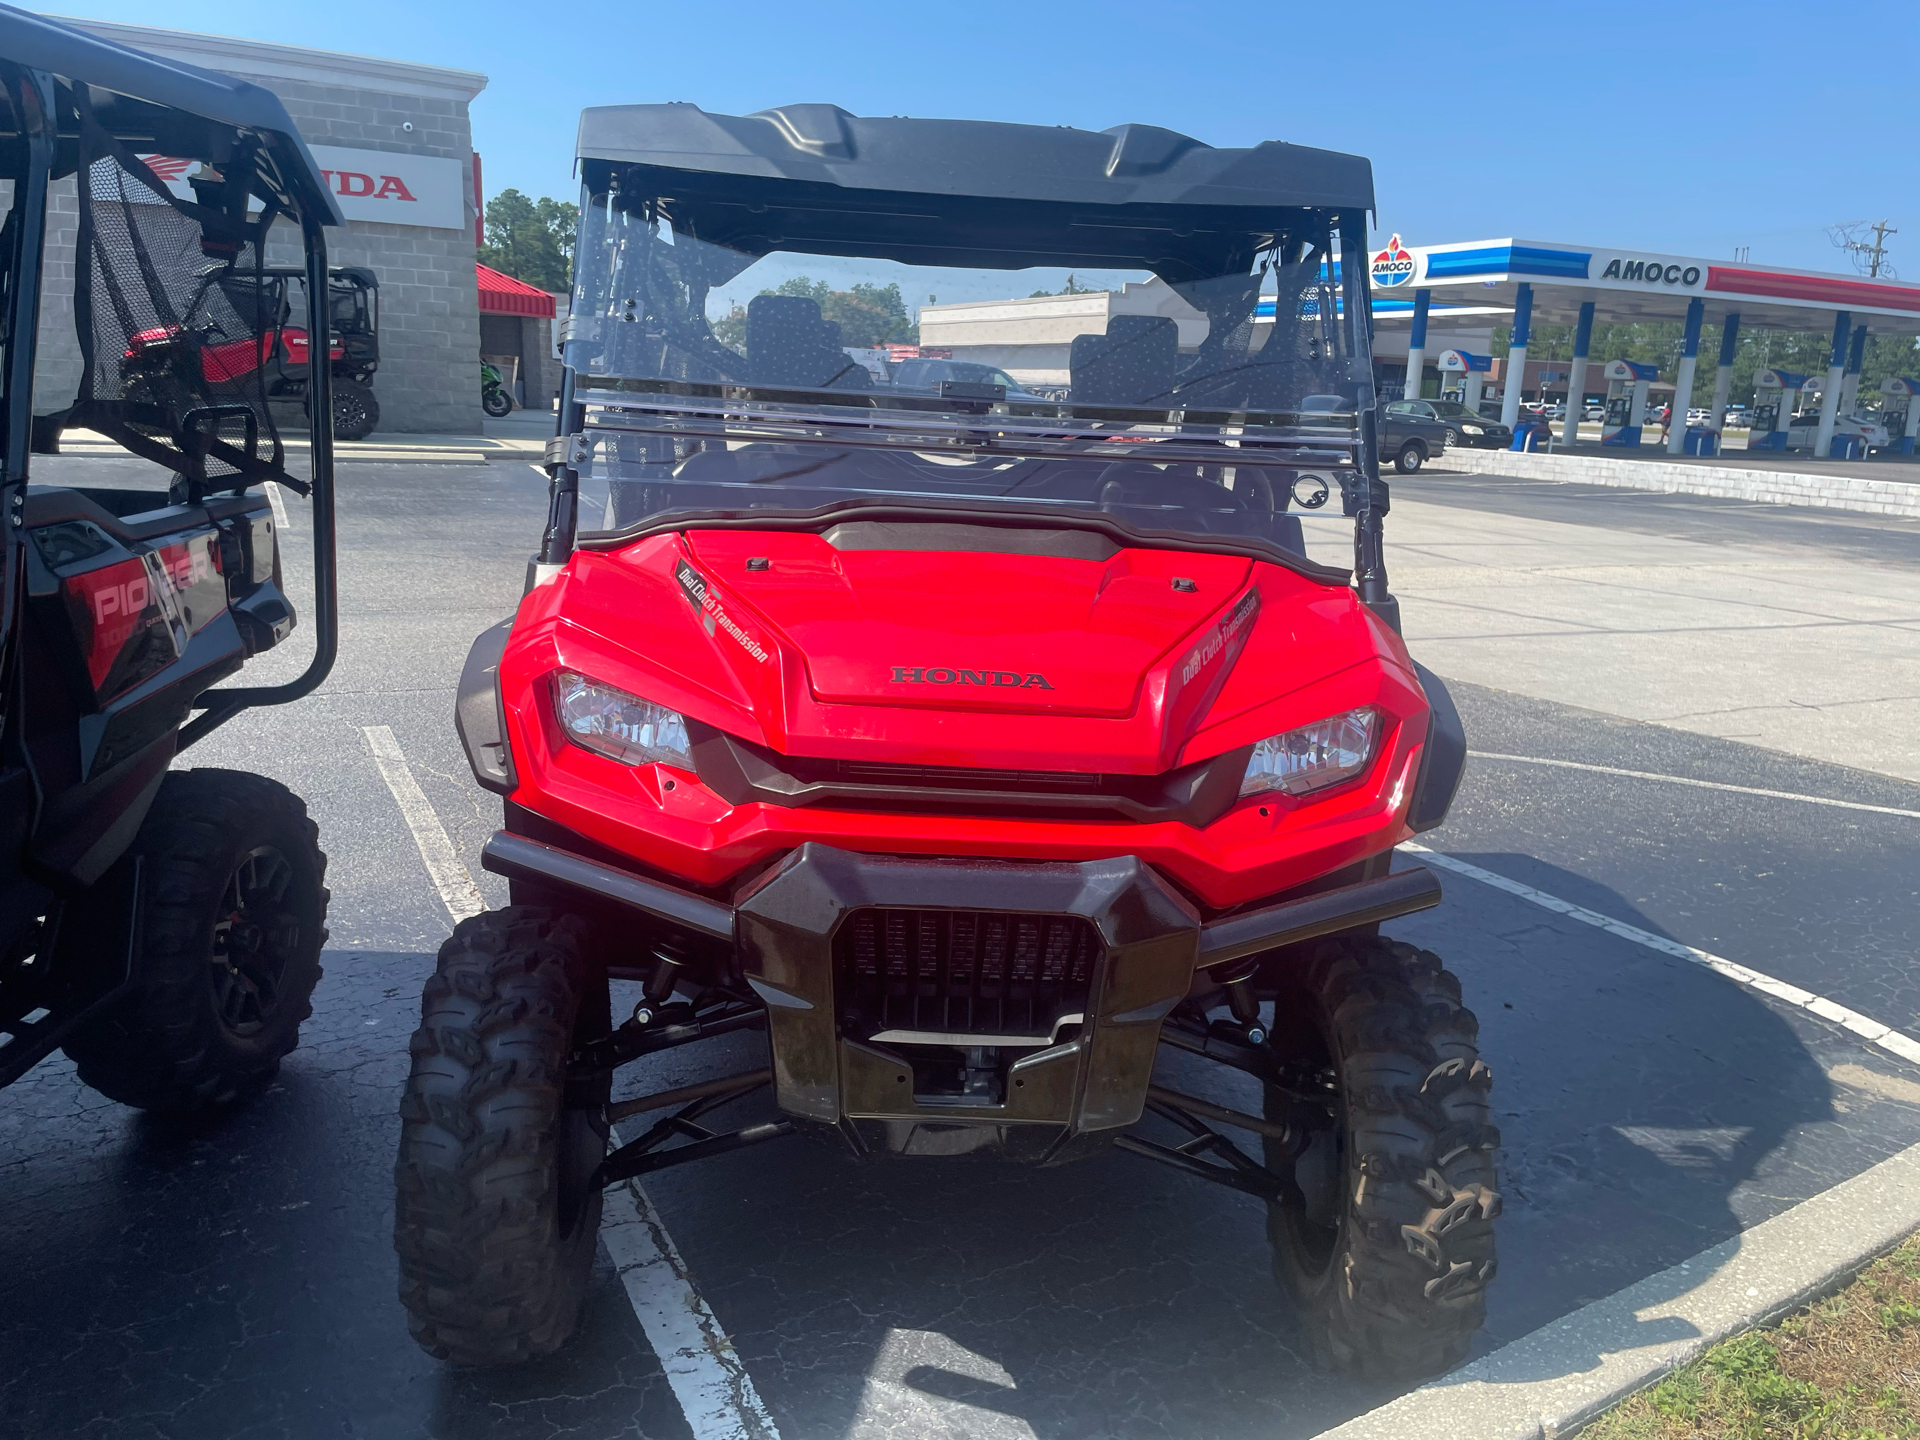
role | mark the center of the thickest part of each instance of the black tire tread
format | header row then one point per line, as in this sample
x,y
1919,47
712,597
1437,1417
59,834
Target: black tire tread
x,y
365,393
485,1275
1408,1288
154,1048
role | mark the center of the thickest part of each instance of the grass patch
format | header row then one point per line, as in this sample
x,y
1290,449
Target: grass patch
x,y
1847,1368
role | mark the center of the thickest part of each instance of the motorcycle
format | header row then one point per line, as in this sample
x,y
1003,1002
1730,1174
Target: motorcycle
x,y
494,398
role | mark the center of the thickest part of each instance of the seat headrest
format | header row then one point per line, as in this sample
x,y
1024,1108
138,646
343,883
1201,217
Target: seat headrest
x,y
790,343
1132,364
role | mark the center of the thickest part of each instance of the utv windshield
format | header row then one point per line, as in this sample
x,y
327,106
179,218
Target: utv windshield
x,y
1194,373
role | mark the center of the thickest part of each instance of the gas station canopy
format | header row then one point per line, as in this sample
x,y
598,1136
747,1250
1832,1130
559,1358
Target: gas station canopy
x,y
1483,277
1536,280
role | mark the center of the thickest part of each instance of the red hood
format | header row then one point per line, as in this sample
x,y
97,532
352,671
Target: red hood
x,y
1115,659
962,630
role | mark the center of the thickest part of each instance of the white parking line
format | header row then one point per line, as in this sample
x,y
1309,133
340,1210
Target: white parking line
x,y
707,1376
457,890
1872,1031
275,499
1697,784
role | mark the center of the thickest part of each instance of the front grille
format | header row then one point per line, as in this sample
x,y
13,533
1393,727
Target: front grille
x,y
1052,782
742,773
963,973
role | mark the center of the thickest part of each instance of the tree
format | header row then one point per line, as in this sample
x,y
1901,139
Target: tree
x,y
868,315
531,240
1072,287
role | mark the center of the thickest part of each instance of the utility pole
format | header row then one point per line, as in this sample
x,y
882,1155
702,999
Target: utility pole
x,y
1870,256
1879,251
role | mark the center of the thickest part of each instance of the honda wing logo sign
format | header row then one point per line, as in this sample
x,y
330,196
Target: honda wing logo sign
x,y
390,187
1393,265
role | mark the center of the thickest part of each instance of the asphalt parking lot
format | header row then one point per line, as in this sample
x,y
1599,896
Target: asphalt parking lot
x,y
235,1276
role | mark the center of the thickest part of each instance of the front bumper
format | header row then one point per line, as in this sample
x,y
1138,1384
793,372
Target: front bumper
x,y
1051,1096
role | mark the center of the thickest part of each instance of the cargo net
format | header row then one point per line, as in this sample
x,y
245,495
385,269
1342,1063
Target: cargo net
x,y
178,325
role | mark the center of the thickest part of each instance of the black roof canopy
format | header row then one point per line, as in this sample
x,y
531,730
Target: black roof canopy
x,y
163,103
965,192
1129,164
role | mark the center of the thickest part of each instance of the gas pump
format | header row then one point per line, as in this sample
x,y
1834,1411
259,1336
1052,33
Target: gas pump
x,y
1470,369
1774,393
1900,409
1628,382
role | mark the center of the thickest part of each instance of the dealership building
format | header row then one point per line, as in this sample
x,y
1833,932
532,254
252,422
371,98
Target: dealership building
x,y
394,141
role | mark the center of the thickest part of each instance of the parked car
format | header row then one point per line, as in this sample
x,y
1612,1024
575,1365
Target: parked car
x,y
1699,415
1554,413
1862,423
1408,436
1738,418
927,374
1594,410
1460,425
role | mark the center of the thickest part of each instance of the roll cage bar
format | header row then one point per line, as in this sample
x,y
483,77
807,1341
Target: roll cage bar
x,y
50,75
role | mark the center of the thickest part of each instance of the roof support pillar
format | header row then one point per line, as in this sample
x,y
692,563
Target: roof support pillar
x,y
1577,376
1836,375
1515,369
1723,378
1850,385
1417,345
1683,382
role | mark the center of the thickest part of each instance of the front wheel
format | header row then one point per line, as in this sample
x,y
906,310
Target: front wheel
x,y
355,409
1453,436
1388,1244
496,402
496,1214
1411,457
230,916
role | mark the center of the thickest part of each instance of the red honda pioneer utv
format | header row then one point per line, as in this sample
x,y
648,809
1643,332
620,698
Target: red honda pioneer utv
x,y
977,749
236,336
163,926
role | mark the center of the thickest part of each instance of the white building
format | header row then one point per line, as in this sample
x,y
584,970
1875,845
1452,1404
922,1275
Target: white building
x,y
1032,340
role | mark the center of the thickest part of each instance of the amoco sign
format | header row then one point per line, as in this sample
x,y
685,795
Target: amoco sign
x,y
1393,265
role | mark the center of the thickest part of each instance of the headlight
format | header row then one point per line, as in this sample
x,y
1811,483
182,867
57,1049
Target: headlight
x,y
1471,430
620,726
1314,756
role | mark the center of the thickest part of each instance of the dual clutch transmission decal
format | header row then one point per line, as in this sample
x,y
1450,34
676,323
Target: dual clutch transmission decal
x,y
712,614
1228,637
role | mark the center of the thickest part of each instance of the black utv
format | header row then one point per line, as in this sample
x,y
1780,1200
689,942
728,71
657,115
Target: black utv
x,y
161,925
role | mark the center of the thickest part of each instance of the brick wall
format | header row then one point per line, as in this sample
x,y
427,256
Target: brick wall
x,y
429,378
542,370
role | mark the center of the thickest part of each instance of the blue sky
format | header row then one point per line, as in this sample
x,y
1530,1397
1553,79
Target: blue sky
x,y
1693,127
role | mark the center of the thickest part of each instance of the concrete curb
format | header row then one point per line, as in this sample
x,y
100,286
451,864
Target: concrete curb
x,y
1543,1386
1773,487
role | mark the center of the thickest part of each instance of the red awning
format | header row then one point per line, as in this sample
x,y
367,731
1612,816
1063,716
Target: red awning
x,y
504,295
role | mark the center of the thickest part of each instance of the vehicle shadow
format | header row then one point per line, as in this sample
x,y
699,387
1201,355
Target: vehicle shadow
x,y
1649,1109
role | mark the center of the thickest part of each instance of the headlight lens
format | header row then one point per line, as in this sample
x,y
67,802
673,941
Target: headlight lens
x,y
1314,756
1471,430
620,726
